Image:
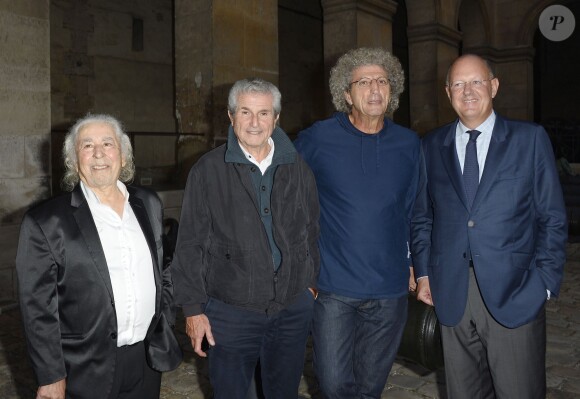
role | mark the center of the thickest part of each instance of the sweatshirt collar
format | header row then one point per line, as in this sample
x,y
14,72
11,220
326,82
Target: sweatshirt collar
x,y
284,151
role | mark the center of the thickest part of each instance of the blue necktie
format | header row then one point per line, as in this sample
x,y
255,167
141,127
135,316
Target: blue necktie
x,y
471,167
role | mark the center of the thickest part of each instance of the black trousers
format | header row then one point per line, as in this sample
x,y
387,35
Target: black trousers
x,y
134,379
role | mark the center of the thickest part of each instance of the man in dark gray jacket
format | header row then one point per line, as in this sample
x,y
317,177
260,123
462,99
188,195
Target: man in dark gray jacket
x,y
246,260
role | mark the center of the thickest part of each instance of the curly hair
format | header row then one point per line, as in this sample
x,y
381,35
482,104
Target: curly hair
x,y
69,150
341,75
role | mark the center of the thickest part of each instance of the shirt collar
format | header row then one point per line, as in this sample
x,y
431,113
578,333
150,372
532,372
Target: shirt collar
x,y
486,128
266,162
92,197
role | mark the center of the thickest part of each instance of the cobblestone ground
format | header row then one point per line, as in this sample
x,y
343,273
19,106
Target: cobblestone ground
x,y
406,381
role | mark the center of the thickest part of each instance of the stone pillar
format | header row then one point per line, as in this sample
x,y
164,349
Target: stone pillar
x,y
350,24
432,48
25,128
216,43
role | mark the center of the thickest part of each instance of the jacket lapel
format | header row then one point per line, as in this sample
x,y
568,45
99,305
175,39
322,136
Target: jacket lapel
x,y
88,230
451,163
495,154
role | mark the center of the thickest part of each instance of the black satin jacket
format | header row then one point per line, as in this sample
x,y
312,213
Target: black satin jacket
x,y
66,297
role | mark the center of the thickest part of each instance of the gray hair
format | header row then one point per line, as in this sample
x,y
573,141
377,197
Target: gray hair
x,y
490,75
69,150
341,75
254,85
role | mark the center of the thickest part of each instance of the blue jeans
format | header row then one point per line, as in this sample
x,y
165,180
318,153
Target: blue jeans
x,y
243,336
355,343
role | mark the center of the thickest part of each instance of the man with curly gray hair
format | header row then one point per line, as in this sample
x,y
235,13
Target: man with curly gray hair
x,y
367,170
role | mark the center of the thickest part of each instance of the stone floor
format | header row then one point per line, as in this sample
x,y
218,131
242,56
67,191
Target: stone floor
x,y
407,380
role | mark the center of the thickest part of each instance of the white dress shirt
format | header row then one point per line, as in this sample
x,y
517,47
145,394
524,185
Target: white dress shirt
x,y
130,266
266,162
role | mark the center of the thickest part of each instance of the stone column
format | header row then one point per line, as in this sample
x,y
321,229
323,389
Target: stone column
x,y
350,24
432,48
216,43
25,128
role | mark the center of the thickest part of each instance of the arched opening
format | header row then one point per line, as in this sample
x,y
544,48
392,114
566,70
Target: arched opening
x,y
556,83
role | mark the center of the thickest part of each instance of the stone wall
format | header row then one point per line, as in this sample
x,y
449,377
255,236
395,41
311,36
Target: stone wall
x,y
114,57
25,128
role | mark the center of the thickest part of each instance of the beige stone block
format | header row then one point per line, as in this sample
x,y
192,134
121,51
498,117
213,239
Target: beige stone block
x,y
9,243
24,78
25,41
139,94
374,32
113,27
12,155
185,9
230,38
37,155
19,194
27,8
24,113
193,34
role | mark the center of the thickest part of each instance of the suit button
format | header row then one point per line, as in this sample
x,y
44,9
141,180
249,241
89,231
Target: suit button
x,y
228,256
464,255
471,223
113,335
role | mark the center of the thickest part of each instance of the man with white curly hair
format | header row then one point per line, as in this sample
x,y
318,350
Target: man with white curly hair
x,y
367,170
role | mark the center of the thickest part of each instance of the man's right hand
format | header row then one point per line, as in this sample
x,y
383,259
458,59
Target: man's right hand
x,y
424,291
197,327
55,390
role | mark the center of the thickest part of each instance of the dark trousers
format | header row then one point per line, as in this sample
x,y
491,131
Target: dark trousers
x,y
134,379
243,337
485,360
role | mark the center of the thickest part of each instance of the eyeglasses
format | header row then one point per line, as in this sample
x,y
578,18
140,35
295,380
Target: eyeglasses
x,y
367,82
460,85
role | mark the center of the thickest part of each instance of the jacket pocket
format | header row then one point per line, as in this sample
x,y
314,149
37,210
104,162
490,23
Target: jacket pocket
x,y
229,274
301,268
522,260
72,336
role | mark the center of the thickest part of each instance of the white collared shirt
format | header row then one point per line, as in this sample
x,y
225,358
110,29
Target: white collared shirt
x,y
266,162
130,266
462,137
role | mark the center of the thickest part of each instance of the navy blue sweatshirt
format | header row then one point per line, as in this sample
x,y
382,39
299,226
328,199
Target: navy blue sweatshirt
x,y
367,184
